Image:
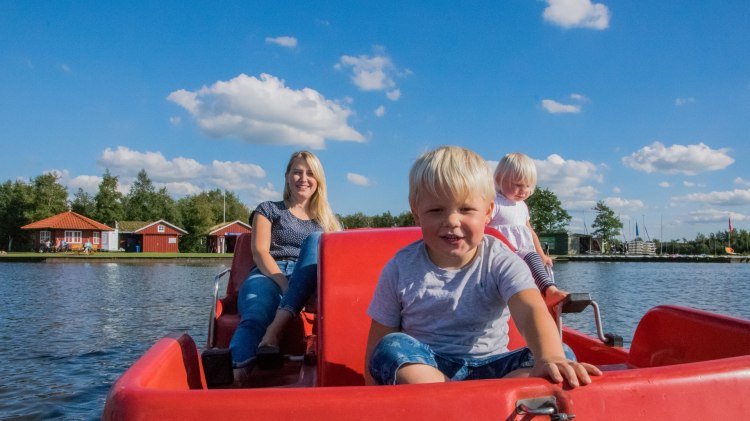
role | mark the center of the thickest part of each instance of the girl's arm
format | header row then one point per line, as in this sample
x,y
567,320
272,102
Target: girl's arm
x,y
377,331
540,332
538,246
260,245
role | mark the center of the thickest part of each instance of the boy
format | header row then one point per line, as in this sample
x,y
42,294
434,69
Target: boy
x,y
439,309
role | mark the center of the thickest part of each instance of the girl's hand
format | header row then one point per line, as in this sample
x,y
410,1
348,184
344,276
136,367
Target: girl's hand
x,y
558,369
547,260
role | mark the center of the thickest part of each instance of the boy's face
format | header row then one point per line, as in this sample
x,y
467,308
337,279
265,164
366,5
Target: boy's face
x,y
452,228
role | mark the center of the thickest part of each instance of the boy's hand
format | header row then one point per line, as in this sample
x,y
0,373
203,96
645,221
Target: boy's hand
x,y
559,369
553,295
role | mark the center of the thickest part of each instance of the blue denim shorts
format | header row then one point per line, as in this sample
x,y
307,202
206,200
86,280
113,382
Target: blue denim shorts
x,y
396,349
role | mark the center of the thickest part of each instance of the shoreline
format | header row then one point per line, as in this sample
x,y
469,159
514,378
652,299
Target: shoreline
x,y
652,259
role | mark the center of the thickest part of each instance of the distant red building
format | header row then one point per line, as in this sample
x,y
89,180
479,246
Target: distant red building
x,y
74,229
222,237
156,237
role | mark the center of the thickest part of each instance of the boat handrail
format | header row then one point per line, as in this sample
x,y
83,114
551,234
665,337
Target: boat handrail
x,y
212,315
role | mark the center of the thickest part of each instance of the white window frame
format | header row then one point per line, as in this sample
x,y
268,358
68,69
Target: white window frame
x,y
95,237
73,237
44,236
160,228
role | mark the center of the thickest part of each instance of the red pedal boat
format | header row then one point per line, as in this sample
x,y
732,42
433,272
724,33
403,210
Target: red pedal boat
x,y
683,363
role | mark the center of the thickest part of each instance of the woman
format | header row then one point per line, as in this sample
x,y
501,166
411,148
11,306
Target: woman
x,y
285,251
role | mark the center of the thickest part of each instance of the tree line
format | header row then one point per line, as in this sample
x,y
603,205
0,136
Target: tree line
x,y
23,202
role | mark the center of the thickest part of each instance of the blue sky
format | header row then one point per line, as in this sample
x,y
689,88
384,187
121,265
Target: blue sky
x,y
645,105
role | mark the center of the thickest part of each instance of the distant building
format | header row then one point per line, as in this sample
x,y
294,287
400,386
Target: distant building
x,y
563,243
74,229
155,237
222,237
640,247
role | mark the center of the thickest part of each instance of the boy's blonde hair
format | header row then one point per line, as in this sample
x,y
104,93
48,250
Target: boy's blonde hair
x,y
450,171
320,210
515,167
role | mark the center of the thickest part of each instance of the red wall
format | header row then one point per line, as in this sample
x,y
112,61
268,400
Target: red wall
x,y
158,242
233,228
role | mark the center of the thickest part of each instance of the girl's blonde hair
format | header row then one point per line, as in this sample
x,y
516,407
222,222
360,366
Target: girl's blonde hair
x,y
450,171
515,167
320,210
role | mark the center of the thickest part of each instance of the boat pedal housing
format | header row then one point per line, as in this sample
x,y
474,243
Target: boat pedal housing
x,y
217,365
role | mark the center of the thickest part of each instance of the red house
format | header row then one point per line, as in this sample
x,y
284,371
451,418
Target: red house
x,y
74,229
222,237
156,237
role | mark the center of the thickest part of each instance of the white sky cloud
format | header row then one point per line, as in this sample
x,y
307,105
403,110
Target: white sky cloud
x,y
373,73
555,107
664,184
682,159
716,216
358,179
736,197
742,182
616,190
175,120
620,204
577,14
289,42
380,111
569,180
264,110
684,101
128,162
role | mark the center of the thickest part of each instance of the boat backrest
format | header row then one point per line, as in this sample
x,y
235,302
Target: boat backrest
x,y
349,267
668,335
242,264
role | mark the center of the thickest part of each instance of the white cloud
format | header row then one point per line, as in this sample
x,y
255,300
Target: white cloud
x,y
65,68
289,42
578,97
616,190
380,111
358,179
683,101
175,121
690,159
569,180
128,162
180,188
373,73
664,184
620,204
577,14
716,216
691,184
742,182
265,110
555,107
234,175
735,197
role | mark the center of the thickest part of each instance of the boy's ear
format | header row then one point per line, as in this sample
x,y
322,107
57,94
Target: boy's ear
x,y
488,217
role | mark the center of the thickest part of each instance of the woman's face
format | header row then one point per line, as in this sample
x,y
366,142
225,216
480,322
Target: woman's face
x,y
300,180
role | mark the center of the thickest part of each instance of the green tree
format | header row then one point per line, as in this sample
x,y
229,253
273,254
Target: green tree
x,y
384,220
405,219
197,215
108,201
606,224
16,206
49,196
83,203
357,220
145,203
235,209
547,213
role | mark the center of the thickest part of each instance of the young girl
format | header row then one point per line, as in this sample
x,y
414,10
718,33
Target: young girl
x,y
515,180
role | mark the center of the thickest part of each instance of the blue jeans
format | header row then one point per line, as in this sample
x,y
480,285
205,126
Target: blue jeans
x,y
396,349
259,298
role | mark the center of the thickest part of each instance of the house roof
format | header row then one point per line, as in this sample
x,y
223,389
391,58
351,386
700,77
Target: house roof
x,y
67,220
223,225
136,226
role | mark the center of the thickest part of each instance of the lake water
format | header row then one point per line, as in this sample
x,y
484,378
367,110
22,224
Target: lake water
x,y
69,330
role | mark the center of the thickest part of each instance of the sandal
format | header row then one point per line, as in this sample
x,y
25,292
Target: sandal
x,y
268,357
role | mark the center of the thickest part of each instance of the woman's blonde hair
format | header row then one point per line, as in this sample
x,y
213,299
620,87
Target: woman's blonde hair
x,y
450,171
319,209
515,167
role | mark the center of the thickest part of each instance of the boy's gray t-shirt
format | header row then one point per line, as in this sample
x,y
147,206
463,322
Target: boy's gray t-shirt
x,y
459,313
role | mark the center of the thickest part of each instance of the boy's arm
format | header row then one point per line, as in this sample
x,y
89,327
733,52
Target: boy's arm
x,y
536,325
377,331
